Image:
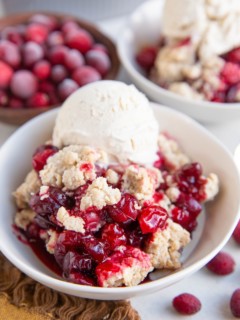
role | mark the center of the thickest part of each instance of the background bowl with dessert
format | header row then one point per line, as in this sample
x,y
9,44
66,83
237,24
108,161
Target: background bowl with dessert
x,y
206,89
46,56
209,236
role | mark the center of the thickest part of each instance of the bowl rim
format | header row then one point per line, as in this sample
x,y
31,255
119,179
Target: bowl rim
x,y
122,43
62,285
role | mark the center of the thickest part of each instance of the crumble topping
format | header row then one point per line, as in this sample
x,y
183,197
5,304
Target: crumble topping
x,y
23,218
51,240
112,176
211,188
24,192
70,222
99,194
164,246
141,182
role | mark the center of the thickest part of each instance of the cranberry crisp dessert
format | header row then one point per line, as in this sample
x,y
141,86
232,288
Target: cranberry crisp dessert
x,y
111,224
199,54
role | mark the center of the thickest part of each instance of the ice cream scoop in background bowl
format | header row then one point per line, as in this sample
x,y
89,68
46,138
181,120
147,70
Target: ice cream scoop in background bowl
x,y
144,28
11,29
215,226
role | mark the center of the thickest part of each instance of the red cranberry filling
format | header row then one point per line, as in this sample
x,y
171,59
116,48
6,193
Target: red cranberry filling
x,y
41,155
151,218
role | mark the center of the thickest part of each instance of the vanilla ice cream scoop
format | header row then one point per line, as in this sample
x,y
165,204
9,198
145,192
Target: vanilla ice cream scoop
x,y
112,116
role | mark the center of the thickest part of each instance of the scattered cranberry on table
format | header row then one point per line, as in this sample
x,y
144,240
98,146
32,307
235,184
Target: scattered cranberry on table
x,y
187,304
222,264
44,60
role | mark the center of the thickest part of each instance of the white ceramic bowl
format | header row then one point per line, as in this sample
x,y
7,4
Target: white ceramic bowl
x,y
215,227
144,28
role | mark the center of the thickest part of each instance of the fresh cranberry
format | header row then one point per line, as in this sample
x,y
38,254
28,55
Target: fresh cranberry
x,y
113,235
41,155
73,59
58,73
100,47
67,87
36,32
98,60
47,87
4,101
74,261
236,233
125,210
16,103
9,53
38,100
151,218
85,75
48,205
95,248
235,303
13,35
80,40
24,84
79,278
222,264
146,57
6,75
186,303
32,52
50,22
231,73
55,38
233,56
57,54
42,69
69,26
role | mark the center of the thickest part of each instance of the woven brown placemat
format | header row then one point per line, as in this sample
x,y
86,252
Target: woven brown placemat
x,y
22,298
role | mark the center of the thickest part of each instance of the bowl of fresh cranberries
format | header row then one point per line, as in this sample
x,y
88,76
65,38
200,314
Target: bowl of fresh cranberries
x,y
104,251
44,57
172,72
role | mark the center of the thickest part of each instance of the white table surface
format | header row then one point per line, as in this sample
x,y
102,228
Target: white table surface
x,y
213,291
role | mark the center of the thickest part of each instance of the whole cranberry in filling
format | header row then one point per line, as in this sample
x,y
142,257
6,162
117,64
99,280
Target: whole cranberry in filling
x,y
78,194
93,219
41,155
151,218
135,237
125,210
95,248
50,202
113,235
146,57
74,261
184,218
79,278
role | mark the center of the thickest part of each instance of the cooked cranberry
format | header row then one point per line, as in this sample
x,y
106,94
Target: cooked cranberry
x,y
233,56
125,210
79,278
54,199
45,223
42,69
113,235
95,248
36,32
93,219
190,204
74,261
73,59
67,87
80,40
189,172
78,194
32,52
32,231
38,100
9,53
85,75
98,60
23,84
58,73
41,155
183,217
151,218
5,75
146,57
159,163
135,237
57,54
231,73
219,96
